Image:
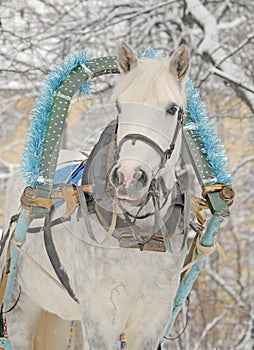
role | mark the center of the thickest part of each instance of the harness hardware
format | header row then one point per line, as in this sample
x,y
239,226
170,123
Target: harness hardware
x,y
226,192
67,193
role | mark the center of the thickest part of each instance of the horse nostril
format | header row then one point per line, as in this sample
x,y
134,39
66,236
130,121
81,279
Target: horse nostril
x,y
141,176
116,178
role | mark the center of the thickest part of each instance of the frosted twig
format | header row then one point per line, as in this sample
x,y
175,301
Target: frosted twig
x,y
231,79
237,49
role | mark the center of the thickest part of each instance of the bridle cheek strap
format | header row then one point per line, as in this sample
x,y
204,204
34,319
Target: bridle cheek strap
x,y
164,155
179,125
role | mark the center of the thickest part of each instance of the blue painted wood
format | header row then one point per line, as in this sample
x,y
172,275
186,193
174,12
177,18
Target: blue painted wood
x,y
120,343
19,237
5,344
189,279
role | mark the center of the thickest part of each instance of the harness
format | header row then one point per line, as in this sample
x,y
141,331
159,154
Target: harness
x,y
101,201
38,199
98,196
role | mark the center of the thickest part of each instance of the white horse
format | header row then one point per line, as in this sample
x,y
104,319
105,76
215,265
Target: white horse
x,y
120,290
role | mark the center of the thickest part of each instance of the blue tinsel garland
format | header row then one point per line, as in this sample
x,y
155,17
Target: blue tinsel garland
x,y
32,154
150,53
213,149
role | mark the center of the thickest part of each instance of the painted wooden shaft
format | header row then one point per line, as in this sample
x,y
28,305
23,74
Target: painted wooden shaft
x,y
19,238
204,172
188,280
5,344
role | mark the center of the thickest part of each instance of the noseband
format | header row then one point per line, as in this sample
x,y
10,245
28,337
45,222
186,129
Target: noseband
x,y
164,155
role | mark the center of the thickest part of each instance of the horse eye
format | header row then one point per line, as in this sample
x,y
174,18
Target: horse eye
x,y
172,110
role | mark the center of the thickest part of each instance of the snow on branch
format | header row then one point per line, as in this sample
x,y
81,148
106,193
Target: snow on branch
x,y
237,49
224,285
231,79
211,49
209,326
242,163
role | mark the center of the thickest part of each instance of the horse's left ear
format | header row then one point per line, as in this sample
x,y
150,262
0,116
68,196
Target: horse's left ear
x,y
180,62
127,58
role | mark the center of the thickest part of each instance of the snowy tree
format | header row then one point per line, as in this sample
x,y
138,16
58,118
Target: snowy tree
x,y
37,33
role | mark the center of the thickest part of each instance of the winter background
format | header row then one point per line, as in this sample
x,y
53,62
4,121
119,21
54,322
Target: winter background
x,y
34,34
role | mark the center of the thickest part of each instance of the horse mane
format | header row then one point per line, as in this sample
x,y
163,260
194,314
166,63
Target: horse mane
x,y
152,83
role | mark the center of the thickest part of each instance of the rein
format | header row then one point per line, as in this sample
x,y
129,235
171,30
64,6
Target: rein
x,y
176,206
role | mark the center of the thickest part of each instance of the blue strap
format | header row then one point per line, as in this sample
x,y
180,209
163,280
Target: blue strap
x,y
71,172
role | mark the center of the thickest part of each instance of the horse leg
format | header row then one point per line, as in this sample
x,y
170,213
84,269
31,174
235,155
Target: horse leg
x,y
137,339
21,322
30,327
99,334
93,337
52,332
145,327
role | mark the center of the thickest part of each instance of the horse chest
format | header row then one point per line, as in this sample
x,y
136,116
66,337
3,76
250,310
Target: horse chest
x,y
138,273
118,283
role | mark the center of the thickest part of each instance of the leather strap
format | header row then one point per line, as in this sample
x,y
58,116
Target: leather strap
x,y
51,224
85,215
84,211
143,138
54,258
5,275
4,279
68,193
13,219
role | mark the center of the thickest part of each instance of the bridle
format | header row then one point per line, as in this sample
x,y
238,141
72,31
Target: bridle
x,y
164,155
153,189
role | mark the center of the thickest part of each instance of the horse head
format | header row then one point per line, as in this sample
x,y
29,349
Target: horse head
x,y
150,98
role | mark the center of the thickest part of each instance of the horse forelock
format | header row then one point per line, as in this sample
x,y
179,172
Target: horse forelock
x,y
152,83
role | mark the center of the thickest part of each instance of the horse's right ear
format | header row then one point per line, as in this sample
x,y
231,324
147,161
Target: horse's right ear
x,y
180,62
127,58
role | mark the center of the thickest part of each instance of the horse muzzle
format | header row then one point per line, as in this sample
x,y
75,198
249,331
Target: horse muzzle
x,y
131,183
